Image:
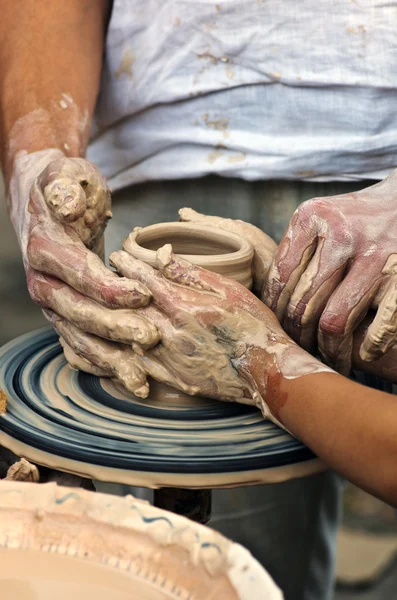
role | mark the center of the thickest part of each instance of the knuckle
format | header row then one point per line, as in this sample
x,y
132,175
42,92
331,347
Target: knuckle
x,y
331,325
109,293
309,207
34,250
34,289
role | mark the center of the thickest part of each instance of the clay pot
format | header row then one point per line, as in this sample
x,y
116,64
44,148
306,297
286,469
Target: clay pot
x,y
208,247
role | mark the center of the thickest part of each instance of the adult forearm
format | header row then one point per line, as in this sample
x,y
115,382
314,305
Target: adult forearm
x,y
351,427
50,62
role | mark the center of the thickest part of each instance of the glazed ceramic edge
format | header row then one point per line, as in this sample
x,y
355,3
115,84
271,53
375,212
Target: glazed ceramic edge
x,y
74,506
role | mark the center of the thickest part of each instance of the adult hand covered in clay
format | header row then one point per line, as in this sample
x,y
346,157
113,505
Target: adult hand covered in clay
x,y
264,246
60,207
337,259
212,331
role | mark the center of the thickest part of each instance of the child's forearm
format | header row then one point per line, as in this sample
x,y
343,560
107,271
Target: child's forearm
x,y
351,427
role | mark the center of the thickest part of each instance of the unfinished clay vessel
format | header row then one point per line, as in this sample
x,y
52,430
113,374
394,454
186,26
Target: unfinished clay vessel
x,y
66,543
209,247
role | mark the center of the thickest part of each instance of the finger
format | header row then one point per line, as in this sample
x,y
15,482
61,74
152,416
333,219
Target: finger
x,y
54,252
264,246
196,287
344,311
183,272
162,291
159,362
81,364
314,288
177,269
189,214
122,362
290,262
68,185
121,325
382,333
212,289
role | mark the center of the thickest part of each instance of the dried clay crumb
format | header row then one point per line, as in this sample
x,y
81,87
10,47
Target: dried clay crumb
x,y
3,403
23,471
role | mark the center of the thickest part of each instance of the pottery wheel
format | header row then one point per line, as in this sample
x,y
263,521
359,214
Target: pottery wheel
x,y
75,422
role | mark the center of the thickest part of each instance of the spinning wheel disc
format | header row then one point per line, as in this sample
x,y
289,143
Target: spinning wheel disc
x,y
76,422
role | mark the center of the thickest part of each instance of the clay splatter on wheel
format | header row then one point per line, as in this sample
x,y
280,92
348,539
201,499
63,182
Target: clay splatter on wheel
x,y
76,422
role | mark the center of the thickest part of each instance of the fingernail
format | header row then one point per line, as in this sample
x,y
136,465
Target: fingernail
x,y
137,349
142,392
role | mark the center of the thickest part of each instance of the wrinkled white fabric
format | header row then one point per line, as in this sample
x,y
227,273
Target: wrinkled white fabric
x,y
256,89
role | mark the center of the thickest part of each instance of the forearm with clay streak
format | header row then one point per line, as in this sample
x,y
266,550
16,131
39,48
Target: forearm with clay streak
x,y
50,63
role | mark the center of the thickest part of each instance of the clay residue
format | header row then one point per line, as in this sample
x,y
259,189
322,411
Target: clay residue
x,y
210,58
3,403
219,124
213,156
126,63
23,471
237,158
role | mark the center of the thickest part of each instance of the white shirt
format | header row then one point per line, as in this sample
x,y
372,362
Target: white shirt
x,y
257,89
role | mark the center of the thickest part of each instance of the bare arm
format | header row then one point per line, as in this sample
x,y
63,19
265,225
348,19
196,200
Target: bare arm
x,y
351,427
50,63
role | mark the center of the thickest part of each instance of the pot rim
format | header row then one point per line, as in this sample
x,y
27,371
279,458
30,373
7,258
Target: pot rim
x,y
244,250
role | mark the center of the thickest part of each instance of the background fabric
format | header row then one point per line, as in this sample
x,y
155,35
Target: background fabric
x,y
248,88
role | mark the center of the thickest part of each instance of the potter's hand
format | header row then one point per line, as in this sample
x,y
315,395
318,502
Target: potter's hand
x,y
212,332
59,210
264,246
338,258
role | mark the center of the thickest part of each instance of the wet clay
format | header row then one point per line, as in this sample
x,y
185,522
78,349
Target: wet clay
x,y
264,247
213,249
211,365
23,471
63,542
94,428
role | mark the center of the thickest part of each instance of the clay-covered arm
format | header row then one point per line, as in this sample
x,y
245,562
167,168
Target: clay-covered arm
x,y
351,427
219,340
51,55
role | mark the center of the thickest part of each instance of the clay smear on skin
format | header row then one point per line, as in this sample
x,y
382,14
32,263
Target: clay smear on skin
x,y
345,227
213,362
291,360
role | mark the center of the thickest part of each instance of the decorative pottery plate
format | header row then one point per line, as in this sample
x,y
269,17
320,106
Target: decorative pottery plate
x,y
68,543
75,422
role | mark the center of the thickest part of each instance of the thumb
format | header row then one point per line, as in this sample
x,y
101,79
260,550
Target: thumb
x,y
66,199
190,215
264,246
